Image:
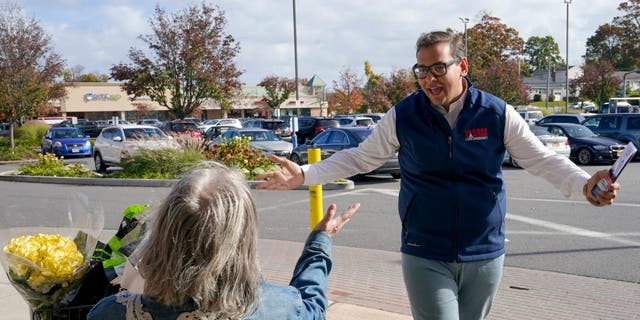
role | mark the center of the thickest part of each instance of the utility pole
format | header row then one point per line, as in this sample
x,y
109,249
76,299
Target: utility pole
x,y
566,103
295,55
465,21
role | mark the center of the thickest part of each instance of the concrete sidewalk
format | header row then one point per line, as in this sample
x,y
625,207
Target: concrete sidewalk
x,y
367,284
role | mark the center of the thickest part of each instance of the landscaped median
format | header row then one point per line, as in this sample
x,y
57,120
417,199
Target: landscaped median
x,y
121,182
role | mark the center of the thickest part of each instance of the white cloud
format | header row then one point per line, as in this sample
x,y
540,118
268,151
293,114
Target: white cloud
x,y
332,34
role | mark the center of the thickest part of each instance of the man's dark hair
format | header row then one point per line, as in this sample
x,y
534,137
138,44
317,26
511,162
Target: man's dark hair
x,y
455,40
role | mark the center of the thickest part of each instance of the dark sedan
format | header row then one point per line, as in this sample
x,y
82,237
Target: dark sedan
x,y
336,139
586,146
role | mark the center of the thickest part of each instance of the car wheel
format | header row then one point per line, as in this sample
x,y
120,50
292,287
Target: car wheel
x,y
513,163
585,156
395,175
100,166
296,158
43,151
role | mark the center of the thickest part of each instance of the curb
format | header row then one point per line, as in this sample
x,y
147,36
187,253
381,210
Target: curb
x,y
116,182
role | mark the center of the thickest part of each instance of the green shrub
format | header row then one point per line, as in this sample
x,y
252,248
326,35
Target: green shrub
x,y
50,166
158,164
237,153
31,133
20,152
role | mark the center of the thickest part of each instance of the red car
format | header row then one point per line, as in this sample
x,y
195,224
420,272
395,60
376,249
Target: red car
x,y
181,126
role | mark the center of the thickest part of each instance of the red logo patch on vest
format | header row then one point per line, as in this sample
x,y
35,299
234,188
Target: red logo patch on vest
x,y
476,134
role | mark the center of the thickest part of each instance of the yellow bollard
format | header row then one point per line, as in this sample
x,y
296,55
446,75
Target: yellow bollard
x,y
315,193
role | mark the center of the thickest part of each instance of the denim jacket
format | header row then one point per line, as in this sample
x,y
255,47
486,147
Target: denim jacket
x,y
304,298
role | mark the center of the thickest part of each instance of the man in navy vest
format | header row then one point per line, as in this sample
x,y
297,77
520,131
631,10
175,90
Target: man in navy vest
x,y
450,138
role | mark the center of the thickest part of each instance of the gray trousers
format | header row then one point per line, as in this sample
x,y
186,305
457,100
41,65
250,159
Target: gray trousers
x,y
451,290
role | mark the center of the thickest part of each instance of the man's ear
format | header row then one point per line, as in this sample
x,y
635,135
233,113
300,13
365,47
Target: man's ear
x,y
464,66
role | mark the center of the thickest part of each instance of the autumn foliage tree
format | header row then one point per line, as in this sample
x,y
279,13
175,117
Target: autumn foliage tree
x,y
29,67
190,59
278,90
502,80
597,82
347,91
493,48
374,91
491,42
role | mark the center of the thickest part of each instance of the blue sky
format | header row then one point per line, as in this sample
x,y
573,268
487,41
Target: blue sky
x,y
332,34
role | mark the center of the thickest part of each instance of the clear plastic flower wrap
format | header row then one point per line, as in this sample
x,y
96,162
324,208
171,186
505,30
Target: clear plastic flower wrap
x,y
46,254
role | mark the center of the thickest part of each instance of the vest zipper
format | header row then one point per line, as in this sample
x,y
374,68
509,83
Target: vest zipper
x,y
450,147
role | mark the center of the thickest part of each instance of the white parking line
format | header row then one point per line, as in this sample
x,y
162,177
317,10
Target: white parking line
x,y
571,230
617,204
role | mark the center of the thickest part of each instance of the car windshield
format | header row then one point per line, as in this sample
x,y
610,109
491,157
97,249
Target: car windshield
x,y
260,135
67,134
143,133
580,132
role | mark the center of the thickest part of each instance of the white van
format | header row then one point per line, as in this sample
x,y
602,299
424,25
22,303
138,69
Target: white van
x,y
530,117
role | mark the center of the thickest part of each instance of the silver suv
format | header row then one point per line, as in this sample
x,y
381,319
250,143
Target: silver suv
x,y
116,142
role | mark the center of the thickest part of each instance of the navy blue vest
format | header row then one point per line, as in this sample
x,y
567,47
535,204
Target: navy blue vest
x,y
452,199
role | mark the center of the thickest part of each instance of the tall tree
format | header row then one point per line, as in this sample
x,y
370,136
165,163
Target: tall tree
x,y
491,42
504,81
605,45
401,83
542,52
278,90
374,92
597,81
191,59
629,24
28,66
347,91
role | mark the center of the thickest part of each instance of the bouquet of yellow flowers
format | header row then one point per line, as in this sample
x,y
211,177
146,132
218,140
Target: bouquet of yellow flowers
x,y
46,264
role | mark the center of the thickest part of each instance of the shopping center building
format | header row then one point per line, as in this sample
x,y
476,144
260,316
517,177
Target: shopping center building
x,y
102,101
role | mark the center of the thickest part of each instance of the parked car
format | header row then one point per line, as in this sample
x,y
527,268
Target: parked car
x,y
557,143
620,126
355,121
215,131
279,127
334,139
530,117
4,129
376,117
89,128
309,127
586,146
151,122
562,118
116,142
66,141
182,127
261,139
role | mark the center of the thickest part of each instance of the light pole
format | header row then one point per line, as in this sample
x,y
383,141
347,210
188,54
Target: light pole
x,y
465,21
295,57
566,103
624,81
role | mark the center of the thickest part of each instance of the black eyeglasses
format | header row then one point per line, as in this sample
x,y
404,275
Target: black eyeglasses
x,y
437,69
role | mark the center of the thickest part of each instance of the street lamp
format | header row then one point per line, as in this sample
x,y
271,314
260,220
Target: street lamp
x,y
295,57
624,81
566,103
465,21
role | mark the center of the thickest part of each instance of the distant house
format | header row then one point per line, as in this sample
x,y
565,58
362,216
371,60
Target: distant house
x,y
556,79
632,79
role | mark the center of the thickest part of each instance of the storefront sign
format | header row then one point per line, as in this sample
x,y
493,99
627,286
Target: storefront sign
x,y
88,97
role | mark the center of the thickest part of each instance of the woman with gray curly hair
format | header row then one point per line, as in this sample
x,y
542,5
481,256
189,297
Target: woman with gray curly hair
x,y
198,259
